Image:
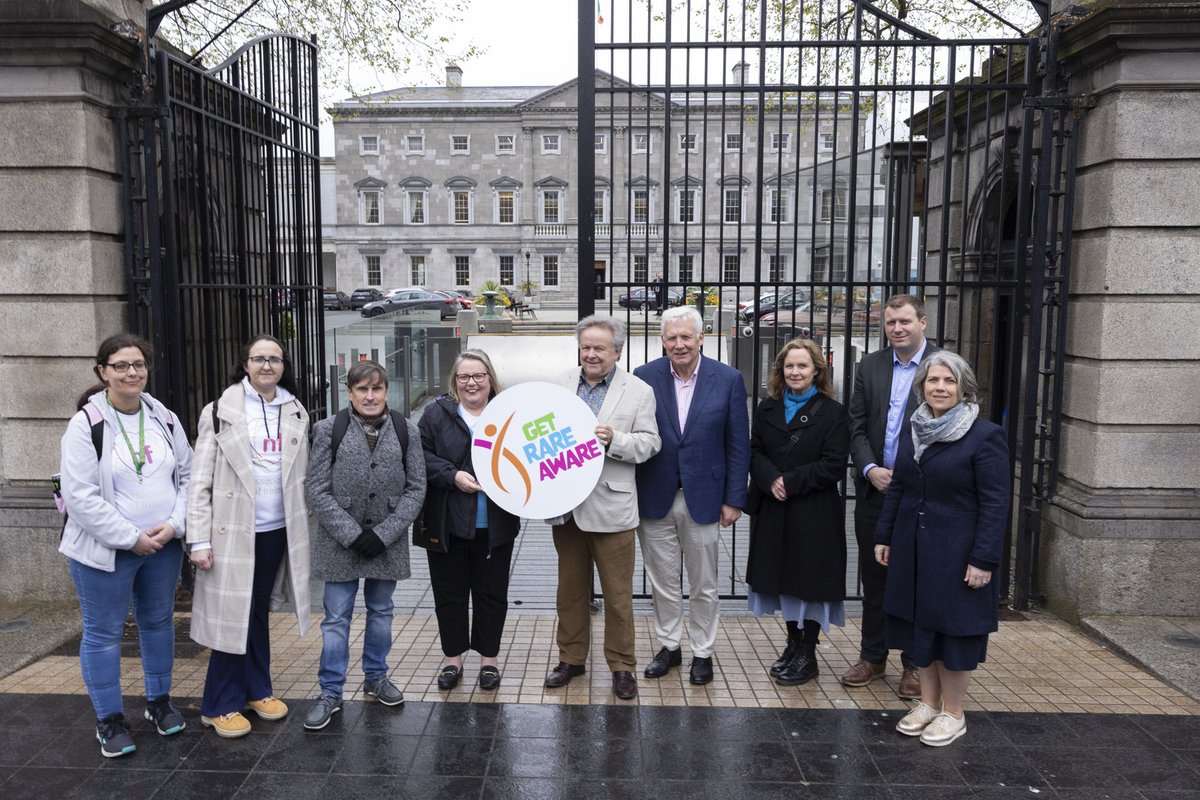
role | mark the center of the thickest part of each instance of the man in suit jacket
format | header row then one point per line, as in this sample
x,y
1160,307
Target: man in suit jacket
x,y
697,481
880,408
599,531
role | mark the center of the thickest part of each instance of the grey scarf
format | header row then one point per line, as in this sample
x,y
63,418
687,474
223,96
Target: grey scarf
x,y
950,427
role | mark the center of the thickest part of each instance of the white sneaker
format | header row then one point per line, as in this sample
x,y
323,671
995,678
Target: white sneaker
x,y
943,730
917,720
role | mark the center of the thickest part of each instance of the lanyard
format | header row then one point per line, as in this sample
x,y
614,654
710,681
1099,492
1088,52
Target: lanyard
x,y
267,421
138,456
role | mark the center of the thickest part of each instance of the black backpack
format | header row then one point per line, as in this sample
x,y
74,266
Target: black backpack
x,y
341,423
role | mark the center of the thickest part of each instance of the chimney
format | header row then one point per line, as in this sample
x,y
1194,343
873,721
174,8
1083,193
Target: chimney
x,y
740,71
454,76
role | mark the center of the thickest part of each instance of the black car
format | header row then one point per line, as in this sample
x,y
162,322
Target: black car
x,y
336,301
360,297
636,299
413,300
783,301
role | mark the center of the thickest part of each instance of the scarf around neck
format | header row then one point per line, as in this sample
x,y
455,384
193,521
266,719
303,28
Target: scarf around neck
x,y
793,402
950,427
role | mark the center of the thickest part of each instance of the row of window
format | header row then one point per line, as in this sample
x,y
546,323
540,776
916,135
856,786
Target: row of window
x,y
833,205
549,276
551,143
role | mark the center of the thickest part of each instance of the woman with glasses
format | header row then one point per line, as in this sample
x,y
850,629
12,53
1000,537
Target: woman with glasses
x,y
248,531
475,568
124,476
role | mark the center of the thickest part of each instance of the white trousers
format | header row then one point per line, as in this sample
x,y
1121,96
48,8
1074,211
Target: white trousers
x,y
664,542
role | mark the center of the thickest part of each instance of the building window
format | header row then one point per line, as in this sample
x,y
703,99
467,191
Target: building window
x,y
685,205
777,269
778,208
415,144
641,143
461,200
417,270
506,204
372,210
733,205
600,207
550,271
415,213
462,270
506,144
550,206
368,145
374,273
641,269
460,144
641,206
687,143
685,269
507,272
731,269
733,143
781,142
833,204
601,142
827,141
821,268
551,143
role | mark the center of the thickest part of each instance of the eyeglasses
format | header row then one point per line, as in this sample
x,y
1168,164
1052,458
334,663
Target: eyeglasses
x,y
121,367
478,377
258,361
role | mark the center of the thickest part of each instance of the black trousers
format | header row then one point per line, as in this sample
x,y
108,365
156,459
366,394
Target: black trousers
x,y
471,576
235,678
866,514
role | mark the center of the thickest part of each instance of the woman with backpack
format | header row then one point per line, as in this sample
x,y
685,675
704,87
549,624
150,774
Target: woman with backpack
x,y
248,531
125,463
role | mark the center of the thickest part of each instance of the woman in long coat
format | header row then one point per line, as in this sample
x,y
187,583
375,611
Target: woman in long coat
x,y
799,446
941,536
248,531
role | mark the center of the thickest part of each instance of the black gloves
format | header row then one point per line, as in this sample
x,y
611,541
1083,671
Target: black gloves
x,y
368,545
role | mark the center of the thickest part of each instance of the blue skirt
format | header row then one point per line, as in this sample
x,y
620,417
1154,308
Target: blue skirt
x,y
826,612
925,646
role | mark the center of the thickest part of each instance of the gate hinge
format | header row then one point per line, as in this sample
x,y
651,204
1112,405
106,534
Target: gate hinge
x,y
1077,103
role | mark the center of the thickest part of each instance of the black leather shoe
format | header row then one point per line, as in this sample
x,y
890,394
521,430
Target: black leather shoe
x,y
785,658
449,676
802,669
701,671
662,663
489,678
624,685
561,675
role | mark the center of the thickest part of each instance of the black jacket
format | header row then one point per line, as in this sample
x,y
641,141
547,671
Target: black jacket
x,y
447,443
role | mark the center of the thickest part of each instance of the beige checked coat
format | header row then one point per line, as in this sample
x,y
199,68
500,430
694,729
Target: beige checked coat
x,y
221,510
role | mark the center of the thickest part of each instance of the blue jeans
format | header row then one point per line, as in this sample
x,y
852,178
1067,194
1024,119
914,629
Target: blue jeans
x,y
104,597
335,631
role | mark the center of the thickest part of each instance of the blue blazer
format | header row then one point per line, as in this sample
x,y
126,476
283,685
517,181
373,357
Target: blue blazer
x,y
711,458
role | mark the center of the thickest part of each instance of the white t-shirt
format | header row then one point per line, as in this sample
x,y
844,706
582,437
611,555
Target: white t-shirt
x,y
150,500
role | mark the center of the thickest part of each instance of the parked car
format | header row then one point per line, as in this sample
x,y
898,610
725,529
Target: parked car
x,y
752,303
636,299
336,301
412,300
360,297
463,296
792,322
783,300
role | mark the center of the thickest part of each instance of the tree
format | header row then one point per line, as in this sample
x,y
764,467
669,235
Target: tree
x,y
362,42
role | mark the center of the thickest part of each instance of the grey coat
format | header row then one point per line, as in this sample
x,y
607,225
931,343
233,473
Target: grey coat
x,y
383,491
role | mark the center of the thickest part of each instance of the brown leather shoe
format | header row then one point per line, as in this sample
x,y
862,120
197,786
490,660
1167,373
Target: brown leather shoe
x,y
910,683
624,685
561,675
862,673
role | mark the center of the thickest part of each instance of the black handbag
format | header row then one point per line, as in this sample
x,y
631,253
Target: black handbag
x,y
429,529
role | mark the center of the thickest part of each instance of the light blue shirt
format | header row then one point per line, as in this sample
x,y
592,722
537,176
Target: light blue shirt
x,y
902,380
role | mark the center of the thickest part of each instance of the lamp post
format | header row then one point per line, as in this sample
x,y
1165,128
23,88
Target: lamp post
x,y
528,286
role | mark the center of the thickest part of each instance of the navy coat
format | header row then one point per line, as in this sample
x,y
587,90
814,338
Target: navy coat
x,y
711,457
798,548
939,516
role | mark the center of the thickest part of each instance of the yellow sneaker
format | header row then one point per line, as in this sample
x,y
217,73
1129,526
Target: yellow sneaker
x,y
268,708
227,726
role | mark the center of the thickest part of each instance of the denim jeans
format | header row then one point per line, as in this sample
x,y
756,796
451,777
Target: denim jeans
x,y
335,631
104,597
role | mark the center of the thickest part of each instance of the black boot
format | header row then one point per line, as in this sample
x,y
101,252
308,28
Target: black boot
x,y
789,652
803,667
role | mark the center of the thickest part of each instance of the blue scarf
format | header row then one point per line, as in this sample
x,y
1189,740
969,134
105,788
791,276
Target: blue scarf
x,y
793,402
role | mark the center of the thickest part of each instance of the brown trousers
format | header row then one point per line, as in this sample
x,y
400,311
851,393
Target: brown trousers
x,y
613,556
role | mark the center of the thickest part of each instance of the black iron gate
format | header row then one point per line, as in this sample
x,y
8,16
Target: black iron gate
x,y
790,166
222,213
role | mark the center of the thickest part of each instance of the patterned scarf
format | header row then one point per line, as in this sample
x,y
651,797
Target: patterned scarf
x,y
949,427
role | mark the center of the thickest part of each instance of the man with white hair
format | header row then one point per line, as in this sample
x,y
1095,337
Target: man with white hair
x,y
695,483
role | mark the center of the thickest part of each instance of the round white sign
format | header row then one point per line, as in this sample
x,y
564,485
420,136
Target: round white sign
x,y
535,450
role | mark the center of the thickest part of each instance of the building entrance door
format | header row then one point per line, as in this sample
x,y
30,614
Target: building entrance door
x,y
601,271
